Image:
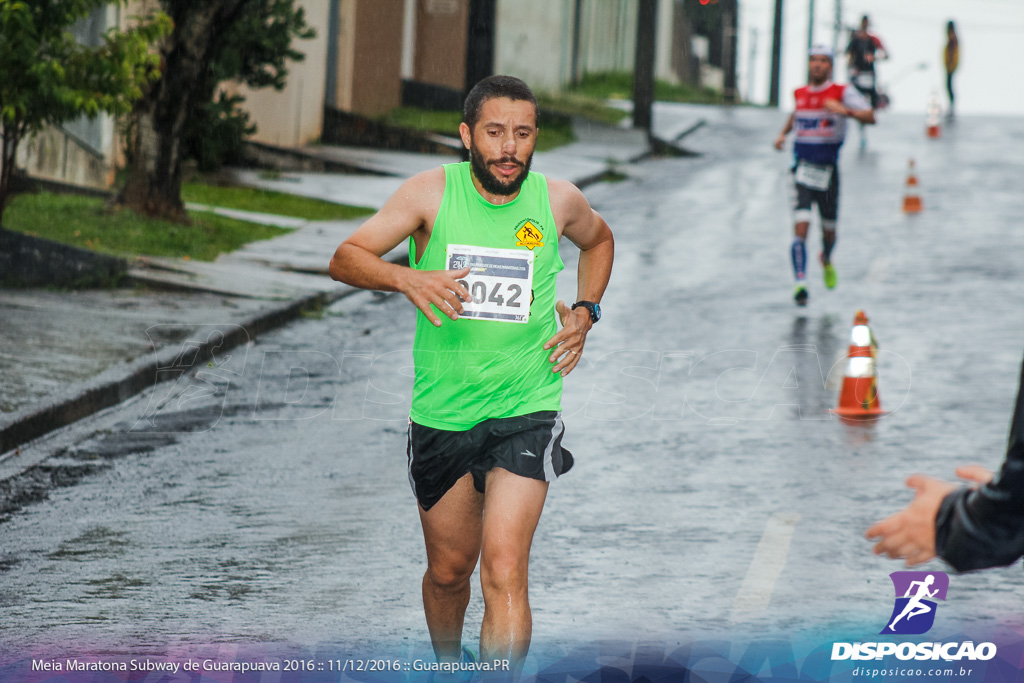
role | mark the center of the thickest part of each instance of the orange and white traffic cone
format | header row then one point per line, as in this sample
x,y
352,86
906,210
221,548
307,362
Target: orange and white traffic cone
x,y
934,127
858,399
911,197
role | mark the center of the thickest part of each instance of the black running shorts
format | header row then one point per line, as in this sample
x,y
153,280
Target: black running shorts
x,y
827,201
527,445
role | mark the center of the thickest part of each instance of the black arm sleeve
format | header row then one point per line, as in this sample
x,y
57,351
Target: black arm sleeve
x,y
985,527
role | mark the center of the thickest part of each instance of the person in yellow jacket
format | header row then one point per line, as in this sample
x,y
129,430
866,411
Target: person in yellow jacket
x,y
952,58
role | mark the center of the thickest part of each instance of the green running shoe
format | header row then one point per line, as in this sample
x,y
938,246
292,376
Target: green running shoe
x,y
800,295
830,276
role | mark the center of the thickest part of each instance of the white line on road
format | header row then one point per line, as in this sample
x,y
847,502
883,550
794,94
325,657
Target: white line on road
x,y
878,269
755,594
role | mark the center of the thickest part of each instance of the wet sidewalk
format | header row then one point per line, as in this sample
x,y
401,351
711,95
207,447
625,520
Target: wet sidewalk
x,y
66,355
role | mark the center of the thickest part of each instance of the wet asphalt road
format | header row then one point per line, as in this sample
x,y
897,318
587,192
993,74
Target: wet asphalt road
x,y
265,500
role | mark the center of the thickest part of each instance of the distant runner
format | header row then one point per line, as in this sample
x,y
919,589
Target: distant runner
x,y
822,108
863,51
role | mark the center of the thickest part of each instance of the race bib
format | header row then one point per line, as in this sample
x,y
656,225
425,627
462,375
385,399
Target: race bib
x,y
813,176
500,282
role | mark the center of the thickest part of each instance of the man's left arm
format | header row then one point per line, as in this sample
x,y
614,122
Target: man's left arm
x,y
585,228
853,105
880,48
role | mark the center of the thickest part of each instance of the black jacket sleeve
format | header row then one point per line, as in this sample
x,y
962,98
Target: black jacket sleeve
x,y
985,527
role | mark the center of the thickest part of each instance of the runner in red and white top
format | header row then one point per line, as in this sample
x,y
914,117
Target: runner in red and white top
x,y
822,108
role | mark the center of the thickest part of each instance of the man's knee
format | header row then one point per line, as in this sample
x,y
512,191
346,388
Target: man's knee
x,y
503,571
451,574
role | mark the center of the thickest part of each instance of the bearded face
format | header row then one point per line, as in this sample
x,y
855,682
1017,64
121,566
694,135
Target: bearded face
x,y
501,144
492,172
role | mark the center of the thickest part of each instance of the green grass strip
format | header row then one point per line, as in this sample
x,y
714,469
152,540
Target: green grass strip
x,y
86,222
618,85
582,105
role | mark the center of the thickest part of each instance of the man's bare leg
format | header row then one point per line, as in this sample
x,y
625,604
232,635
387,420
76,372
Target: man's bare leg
x,y
512,508
451,531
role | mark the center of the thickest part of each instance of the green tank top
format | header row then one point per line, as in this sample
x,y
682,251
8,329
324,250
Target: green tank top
x,y
485,365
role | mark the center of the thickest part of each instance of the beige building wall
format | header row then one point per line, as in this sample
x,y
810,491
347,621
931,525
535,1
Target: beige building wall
x,y
54,154
440,50
293,116
370,39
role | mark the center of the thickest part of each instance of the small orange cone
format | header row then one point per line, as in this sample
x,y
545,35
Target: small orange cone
x,y
934,111
858,399
911,198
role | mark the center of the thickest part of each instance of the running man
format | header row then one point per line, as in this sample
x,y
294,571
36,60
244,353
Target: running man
x,y
822,108
862,52
914,606
485,428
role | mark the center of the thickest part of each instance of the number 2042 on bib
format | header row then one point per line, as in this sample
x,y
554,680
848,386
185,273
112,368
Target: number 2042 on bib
x,y
499,282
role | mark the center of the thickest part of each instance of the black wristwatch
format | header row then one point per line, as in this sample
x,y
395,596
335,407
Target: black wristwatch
x,y
595,309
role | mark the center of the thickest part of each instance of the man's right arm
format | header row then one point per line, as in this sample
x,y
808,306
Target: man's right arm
x,y
781,140
410,210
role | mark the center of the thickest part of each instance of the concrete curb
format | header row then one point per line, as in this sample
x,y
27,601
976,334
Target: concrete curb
x,y
264,155
672,146
119,383
29,261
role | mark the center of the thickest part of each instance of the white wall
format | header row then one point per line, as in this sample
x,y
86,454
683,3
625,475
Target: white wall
x,y
534,39
663,43
534,42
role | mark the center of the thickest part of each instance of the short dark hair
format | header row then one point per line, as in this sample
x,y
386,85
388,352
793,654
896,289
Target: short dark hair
x,y
490,88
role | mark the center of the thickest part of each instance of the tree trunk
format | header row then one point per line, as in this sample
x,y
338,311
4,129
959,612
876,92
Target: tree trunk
x,y
155,150
8,158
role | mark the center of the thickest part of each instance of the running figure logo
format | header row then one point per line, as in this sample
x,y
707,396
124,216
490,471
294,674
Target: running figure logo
x,y
916,592
529,235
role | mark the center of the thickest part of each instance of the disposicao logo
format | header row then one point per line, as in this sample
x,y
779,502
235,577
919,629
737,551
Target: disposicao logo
x,y
913,614
916,593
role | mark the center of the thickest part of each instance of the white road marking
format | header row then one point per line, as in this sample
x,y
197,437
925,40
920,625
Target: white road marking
x,y
878,269
769,559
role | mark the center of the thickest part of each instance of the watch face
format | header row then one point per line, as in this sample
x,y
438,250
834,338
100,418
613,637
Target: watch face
x,y
595,309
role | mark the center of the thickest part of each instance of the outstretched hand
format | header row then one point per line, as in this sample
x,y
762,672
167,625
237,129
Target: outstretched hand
x,y
568,342
978,475
910,533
